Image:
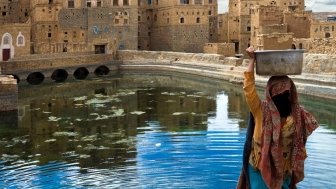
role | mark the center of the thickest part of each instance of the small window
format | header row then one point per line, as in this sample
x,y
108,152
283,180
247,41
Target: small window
x,y
184,2
167,20
88,4
115,2
99,3
20,40
6,40
71,4
149,2
181,20
198,20
125,21
125,3
116,21
210,1
50,1
49,35
248,28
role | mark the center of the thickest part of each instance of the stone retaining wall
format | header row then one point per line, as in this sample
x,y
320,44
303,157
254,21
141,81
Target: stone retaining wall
x,y
312,63
26,65
169,57
8,93
319,64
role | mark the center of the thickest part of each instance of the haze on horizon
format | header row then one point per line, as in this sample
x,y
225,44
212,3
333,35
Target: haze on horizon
x,y
314,5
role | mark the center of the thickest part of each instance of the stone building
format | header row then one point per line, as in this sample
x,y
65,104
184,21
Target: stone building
x,y
242,32
99,26
14,29
223,28
103,26
14,11
14,40
323,29
183,25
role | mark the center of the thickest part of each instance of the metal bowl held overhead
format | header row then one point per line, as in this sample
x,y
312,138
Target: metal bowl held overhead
x,y
279,62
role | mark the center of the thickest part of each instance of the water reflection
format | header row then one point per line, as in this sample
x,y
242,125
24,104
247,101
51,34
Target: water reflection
x,y
140,131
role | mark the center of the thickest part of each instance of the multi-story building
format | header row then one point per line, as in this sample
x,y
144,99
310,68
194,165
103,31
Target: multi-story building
x,y
241,30
324,29
83,26
180,25
102,26
14,29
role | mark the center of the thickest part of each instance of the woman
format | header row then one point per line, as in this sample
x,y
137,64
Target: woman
x,y
274,150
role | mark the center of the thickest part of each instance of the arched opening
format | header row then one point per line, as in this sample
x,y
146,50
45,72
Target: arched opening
x,y
17,78
59,75
327,35
101,70
6,47
35,78
81,73
300,46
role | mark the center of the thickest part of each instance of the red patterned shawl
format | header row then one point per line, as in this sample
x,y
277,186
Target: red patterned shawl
x,y
271,163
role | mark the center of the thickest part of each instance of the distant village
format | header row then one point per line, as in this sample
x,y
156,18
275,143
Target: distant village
x,y
104,26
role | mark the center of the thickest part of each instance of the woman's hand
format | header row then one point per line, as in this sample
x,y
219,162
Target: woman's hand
x,y
250,52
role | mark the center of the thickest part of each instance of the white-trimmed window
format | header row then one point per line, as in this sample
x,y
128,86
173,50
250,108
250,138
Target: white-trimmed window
x,y
6,40
20,40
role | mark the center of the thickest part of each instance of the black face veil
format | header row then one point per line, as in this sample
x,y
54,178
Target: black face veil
x,y
283,103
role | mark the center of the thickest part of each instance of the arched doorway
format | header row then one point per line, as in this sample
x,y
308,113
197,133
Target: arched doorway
x,y
7,48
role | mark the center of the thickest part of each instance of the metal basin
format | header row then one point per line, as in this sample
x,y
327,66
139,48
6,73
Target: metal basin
x,y
279,62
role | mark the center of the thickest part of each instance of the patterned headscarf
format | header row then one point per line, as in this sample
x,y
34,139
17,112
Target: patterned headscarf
x,y
271,163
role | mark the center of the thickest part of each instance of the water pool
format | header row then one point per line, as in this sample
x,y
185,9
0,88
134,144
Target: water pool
x,y
141,131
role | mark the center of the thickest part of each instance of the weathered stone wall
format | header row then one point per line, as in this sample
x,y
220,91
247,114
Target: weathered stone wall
x,y
317,45
8,93
298,23
37,64
168,56
12,33
223,28
312,63
176,57
190,38
319,64
275,41
226,49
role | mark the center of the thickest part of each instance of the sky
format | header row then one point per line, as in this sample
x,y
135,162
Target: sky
x,y
314,5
